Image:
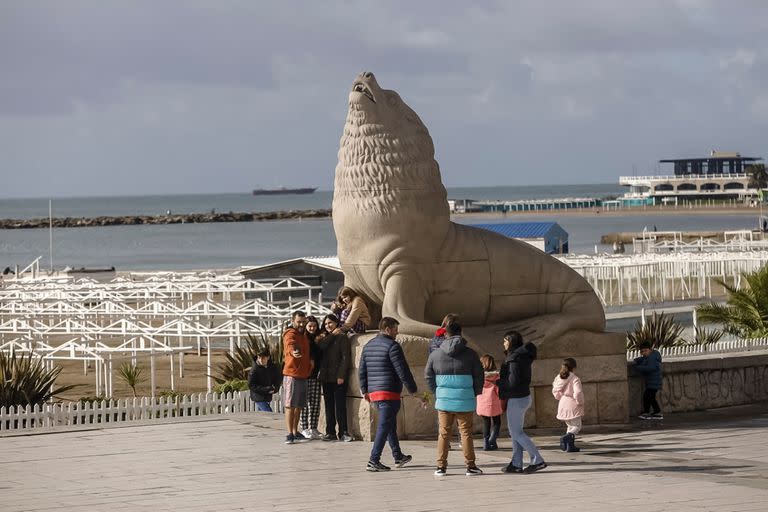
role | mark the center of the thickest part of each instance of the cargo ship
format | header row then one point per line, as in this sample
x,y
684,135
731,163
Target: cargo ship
x,y
282,191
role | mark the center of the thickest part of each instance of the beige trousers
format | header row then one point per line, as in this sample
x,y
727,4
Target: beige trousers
x,y
464,420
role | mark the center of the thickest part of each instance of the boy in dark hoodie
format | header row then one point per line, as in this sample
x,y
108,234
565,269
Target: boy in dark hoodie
x,y
264,380
649,365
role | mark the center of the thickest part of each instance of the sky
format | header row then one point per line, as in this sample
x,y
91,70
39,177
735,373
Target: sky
x,y
174,97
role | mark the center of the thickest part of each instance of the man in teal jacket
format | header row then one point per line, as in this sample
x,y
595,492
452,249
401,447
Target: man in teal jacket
x,y
455,375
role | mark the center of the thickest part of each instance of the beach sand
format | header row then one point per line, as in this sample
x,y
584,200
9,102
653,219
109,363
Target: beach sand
x,y
194,380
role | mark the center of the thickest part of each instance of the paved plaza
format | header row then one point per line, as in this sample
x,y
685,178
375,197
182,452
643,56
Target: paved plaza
x,y
703,461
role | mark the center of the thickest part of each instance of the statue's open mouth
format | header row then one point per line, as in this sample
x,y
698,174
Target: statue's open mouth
x,y
362,88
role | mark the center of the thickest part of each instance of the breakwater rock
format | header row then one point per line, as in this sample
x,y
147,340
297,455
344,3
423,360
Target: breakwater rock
x,y
185,218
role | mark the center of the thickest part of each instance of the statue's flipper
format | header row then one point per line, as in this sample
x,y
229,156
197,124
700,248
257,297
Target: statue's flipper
x,y
405,300
544,327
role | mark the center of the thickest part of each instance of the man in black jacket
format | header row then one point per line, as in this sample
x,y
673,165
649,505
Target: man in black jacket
x,y
383,372
264,380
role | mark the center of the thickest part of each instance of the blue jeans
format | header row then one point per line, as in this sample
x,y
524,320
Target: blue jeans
x,y
263,406
386,430
516,408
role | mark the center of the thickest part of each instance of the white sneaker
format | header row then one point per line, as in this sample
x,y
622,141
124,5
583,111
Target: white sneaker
x,y
315,434
307,433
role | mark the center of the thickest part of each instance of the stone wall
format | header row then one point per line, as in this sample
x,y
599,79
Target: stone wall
x,y
707,382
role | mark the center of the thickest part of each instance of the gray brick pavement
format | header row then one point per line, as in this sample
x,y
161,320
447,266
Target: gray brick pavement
x,y
709,462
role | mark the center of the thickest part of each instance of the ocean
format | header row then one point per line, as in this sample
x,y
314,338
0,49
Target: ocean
x,y
230,245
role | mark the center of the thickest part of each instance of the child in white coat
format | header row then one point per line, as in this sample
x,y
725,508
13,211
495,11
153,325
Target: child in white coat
x,y
567,390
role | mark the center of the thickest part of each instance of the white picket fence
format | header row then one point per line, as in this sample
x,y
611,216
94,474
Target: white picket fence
x,y
720,347
131,409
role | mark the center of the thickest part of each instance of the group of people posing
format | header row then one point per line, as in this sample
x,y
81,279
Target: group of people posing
x,y
317,357
316,362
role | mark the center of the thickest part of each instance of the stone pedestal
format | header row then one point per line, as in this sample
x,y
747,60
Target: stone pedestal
x,y
601,361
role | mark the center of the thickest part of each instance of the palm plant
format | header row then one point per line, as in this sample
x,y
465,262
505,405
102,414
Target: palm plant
x,y
131,375
659,331
705,337
745,313
25,380
237,364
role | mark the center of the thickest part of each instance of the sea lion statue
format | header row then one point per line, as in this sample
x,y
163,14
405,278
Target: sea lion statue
x,y
398,247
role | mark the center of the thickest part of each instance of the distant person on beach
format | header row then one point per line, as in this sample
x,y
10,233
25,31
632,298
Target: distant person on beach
x,y
515,385
311,413
439,336
455,375
264,380
567,390
383,372
352,311
297,367
333,376
489,404
649,365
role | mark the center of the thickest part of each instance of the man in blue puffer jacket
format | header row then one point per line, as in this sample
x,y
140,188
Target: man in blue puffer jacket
x,y
455,375
383,372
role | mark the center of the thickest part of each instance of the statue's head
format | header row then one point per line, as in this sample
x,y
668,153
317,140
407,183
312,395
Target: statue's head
x,y
369,104
386,157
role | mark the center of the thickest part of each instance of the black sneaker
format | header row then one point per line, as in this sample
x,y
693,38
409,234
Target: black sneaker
x,y
402,461
375,467
289,439
657,416
441,472
473,471
328,437
299,437
534,468
511,468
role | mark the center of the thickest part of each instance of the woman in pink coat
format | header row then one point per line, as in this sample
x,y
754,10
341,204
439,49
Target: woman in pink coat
x,y
489,406
567,390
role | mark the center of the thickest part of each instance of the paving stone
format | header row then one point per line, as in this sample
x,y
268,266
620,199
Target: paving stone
x,y
705,461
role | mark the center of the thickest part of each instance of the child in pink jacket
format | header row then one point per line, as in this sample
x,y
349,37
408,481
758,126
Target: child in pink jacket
x,y
489,406
567,390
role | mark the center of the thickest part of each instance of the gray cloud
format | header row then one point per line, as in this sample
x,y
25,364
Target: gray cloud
x,y
200,96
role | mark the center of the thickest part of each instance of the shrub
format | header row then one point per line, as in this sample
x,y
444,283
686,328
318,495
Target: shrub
x,y
659,330
131,375
231,386
746,311
25,380
705,337
237,364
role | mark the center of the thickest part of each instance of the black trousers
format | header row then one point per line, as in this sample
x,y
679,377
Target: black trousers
x,y
335,399
649,401
491,433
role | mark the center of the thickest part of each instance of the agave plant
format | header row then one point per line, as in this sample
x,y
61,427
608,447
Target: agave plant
x,y
237,364
704,337
25,380
132,375
745,314
659,331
